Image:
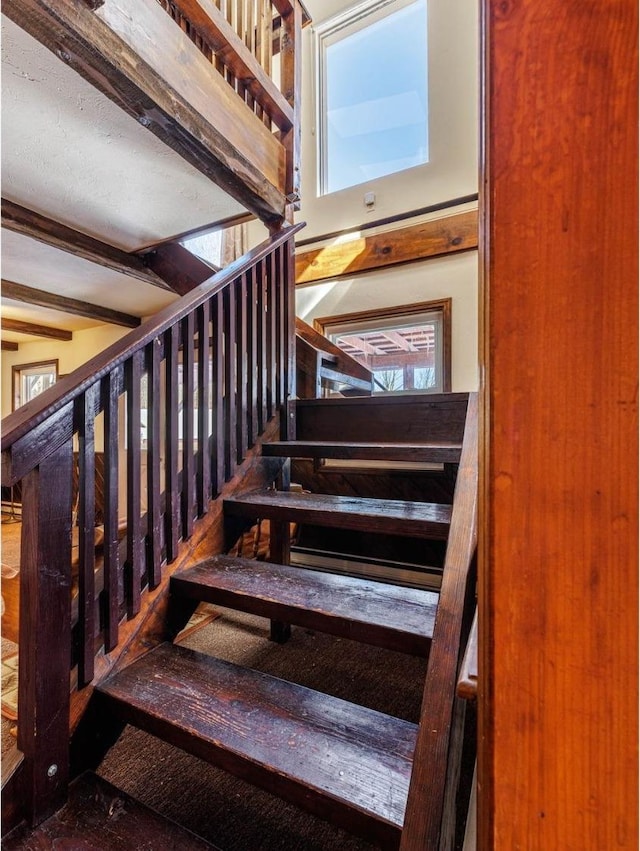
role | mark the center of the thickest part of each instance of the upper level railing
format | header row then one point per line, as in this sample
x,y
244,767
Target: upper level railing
x,y
173,407
241,38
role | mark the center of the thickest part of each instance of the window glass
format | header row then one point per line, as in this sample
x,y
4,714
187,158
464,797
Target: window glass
x,y
373,93
32,379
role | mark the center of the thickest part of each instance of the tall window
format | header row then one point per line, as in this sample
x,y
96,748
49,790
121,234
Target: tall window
x,y
373,92
407,348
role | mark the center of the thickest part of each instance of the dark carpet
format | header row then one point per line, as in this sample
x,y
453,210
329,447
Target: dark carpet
x,y
226,811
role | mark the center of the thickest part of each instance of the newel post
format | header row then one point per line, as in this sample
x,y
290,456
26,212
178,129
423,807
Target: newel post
x,y
45,632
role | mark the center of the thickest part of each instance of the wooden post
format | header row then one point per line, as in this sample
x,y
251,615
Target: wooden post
x,y
291,64
45,632
558,589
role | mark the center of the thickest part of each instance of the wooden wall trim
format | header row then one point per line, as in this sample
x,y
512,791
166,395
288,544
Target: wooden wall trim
x,y
415,242
558,616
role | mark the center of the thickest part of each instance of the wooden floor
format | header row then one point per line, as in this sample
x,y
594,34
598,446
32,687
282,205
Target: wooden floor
x,y
99,816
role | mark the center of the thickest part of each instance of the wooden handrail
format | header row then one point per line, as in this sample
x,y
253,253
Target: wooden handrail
x,y
17,424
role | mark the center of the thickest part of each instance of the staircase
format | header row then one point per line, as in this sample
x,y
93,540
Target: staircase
x,y
341,761
206,471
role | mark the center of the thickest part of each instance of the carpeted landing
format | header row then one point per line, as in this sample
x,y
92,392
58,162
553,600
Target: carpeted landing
x,y
226,811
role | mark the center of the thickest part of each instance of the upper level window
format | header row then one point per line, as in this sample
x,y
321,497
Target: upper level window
x,y
373,92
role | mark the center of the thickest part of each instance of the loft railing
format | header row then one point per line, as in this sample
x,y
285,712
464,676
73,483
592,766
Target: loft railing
x,y
240,38
174,407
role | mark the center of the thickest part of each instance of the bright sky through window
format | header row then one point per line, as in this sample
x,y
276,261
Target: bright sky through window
x,y
376,98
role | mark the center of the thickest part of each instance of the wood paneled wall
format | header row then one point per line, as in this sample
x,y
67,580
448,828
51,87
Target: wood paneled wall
x,y
559,552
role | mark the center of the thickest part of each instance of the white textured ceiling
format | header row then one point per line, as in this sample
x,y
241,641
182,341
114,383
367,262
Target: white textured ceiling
x,y
70,153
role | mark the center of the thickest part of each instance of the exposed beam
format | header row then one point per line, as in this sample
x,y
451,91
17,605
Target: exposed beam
x,y
362,344
29,295
181,269
415,242
399,340
151,69
9,346
36,226
36,330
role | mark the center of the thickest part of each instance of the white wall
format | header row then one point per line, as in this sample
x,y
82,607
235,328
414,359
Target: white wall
x,y
85,345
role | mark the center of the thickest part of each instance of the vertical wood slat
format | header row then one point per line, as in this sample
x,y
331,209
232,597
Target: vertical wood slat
x,y
241,368
288,333
252,375
188,462
230,409
291,83
217,437
112,578
172,505
154,513
133,563
271,285
279,320
87,404
203,466
261,347
45,630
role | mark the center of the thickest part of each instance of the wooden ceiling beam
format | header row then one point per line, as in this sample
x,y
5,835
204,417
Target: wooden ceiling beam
x,y
147,66
399,340
53,301
21,327
36,226
404,245
8,346
179,268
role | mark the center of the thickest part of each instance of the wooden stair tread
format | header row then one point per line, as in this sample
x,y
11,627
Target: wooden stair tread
x,y
98,815
334,758
390,616
441,452
389,516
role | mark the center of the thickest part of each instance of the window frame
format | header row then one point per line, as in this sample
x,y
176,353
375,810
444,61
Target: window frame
x,y
324,324
16,379
355,20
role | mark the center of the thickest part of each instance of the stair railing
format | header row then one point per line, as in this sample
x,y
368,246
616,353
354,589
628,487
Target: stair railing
x,y
240,39
175,405
320,363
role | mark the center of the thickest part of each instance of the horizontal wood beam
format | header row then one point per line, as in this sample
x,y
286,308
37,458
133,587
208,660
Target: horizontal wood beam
x,y
229,47
29,295
35,330
181,269
415,242
36,226
9,346
150,68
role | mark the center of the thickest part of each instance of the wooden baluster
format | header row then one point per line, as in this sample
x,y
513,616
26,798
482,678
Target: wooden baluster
x,y
279,317
154,513
217,438
261,347
188,462
288,427
230,410
112,578
86,408
241,368
172,504
291,87
45,628
133,563
203,472
252,375
273,394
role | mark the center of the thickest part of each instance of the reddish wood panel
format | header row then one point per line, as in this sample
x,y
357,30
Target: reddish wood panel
x,y
558,615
